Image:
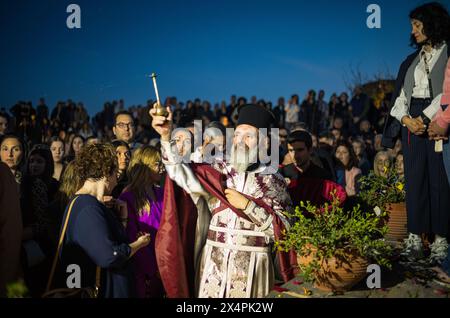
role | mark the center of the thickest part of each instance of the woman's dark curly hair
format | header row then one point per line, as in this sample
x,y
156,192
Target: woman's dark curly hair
x,y
95,162
436,23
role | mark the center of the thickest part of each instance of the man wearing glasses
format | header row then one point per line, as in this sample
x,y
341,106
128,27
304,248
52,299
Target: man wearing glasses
x,y
124,129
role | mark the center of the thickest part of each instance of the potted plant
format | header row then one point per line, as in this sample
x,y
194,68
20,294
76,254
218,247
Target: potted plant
x,y
385,194
17,289
335,246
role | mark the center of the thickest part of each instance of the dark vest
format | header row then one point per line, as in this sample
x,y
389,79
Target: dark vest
x,y
405,79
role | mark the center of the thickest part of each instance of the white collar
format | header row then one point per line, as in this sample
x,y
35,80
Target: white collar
x,y
264,168
434,50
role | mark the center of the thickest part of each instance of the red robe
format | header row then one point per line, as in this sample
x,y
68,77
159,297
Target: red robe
x,y
317,191
176,235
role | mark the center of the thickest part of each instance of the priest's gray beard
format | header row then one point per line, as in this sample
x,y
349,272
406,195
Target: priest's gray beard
x,y
242,157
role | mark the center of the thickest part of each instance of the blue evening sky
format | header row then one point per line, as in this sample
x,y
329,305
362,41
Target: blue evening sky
x,y
209,49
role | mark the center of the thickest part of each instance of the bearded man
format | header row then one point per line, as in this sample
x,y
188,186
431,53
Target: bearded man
x,y
240,208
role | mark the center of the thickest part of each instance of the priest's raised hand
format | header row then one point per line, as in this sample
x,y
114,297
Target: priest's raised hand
x,y
162,125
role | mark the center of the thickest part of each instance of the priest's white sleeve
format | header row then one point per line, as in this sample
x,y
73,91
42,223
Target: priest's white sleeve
x,y
181,173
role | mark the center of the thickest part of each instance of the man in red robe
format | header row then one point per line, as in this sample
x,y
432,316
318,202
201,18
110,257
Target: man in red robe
x,y
307,181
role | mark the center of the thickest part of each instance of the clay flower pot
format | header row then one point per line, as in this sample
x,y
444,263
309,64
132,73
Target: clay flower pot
x,y
337,274
397,222
306,260
341,274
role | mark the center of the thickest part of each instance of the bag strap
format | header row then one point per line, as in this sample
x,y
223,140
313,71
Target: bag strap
x,y
58,250
97,280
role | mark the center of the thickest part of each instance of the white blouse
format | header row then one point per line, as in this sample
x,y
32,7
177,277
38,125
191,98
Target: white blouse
x,y
421,86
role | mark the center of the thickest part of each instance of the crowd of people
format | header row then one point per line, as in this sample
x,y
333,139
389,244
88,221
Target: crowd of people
x,y
52,155
112,182
68,126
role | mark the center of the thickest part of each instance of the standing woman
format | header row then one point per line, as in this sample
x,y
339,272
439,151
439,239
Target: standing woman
x,y
38,189
68,185
292,110
75,147
86,130
10,229
12,153
347,170
144,200
309,108
439,130
399,167
343,109
123,154
68,138
359,147
57,149
332,108
416,100
95,236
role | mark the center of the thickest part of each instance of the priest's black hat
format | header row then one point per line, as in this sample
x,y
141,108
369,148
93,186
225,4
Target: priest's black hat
x,y
256,116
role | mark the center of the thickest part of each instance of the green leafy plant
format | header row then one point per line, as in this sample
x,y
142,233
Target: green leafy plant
x,y
17,290
378,191
330,231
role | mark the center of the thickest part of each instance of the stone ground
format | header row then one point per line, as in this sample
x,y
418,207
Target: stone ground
x,y
405,280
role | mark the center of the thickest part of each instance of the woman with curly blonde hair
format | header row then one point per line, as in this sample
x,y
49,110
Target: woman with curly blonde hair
x,y
144,200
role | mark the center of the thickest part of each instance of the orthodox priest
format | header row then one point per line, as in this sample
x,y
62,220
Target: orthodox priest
x,y
238,212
